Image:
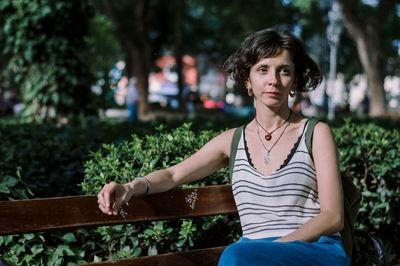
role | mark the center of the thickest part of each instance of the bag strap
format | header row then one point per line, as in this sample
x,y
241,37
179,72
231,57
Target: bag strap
x,y
234,145
309,133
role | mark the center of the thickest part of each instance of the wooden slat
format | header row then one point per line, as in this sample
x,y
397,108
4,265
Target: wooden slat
x,y
199,257
24,216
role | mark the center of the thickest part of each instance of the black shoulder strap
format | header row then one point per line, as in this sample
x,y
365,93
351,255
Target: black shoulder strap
x,y
234,144
310,129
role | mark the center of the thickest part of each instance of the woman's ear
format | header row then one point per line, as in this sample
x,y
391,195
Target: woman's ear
x,y
248,87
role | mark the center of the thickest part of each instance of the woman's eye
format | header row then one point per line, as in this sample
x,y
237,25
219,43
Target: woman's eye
x,y
262,69
285,71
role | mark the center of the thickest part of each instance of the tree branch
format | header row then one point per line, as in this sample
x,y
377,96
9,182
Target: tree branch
x,y
142,19
350,20
385,7
113,14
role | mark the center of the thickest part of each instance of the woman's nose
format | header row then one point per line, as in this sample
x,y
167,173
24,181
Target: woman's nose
x,y
273,78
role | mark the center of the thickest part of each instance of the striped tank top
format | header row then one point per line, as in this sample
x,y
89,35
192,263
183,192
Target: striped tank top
x,y
277,204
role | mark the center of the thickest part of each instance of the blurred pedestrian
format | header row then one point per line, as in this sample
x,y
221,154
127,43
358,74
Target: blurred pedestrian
x,y
131,99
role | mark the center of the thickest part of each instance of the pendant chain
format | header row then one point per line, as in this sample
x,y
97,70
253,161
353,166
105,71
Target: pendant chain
x,y
268,137
267,157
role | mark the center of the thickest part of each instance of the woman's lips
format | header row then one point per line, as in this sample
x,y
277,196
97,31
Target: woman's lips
x,y
272,93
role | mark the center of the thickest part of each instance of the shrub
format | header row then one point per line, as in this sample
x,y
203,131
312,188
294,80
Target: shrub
x,y
42,48
13,187
140,156
50,158
116,161
370,155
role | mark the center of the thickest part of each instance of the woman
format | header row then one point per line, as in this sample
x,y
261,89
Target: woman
x,y
290,203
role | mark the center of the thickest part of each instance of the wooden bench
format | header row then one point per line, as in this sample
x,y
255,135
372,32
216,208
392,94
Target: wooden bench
x,y
27,216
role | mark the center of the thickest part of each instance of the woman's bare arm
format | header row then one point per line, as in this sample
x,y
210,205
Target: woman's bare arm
x,y
211,157
331,218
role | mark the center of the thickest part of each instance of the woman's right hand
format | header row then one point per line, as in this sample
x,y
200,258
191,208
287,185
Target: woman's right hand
x,y
112,197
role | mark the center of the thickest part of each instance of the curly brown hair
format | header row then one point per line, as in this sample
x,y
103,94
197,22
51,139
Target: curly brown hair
x,y
267,43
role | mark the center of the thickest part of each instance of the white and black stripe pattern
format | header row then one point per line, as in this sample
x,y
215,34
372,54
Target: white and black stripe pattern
x,y
278,204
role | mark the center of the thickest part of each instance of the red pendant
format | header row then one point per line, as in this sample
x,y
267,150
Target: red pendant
x,y
268,137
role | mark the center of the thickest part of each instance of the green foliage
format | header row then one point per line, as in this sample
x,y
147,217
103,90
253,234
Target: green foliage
x,y
13,187
55,248
217,27
367,151
101,52
49,159
311,18
44,45
140,156
370,155
304,5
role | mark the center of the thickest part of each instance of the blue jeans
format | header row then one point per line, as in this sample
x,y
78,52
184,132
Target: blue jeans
x,y
325,251
132,112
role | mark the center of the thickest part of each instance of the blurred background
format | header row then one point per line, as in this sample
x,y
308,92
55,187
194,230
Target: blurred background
x,y
65,60
93,91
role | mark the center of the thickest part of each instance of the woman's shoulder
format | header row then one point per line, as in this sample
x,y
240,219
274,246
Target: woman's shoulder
x,y
301,121
322,128
322,133
228,134
223,140
225,137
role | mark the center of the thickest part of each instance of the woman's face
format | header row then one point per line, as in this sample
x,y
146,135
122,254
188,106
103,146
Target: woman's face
x,y
272,78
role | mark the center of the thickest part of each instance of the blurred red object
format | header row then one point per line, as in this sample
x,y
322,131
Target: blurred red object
x,y
209,104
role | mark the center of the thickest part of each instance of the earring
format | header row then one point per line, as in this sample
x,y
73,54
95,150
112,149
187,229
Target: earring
x,y
249,92
292,93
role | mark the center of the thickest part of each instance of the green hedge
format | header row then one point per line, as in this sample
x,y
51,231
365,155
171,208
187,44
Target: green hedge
x,y
370,155
119,161
140,156
49,158
367,152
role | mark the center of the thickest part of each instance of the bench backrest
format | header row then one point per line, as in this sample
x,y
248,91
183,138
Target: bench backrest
x,y
25,216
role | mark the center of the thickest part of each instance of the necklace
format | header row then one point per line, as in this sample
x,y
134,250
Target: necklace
x,y
267,156
268,137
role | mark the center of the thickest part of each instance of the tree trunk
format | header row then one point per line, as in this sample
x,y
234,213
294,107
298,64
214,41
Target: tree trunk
x,y
366,34
138,51
141,72
142,56
369,52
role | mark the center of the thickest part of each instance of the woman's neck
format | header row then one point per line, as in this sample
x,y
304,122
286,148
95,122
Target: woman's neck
x,y
270,118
